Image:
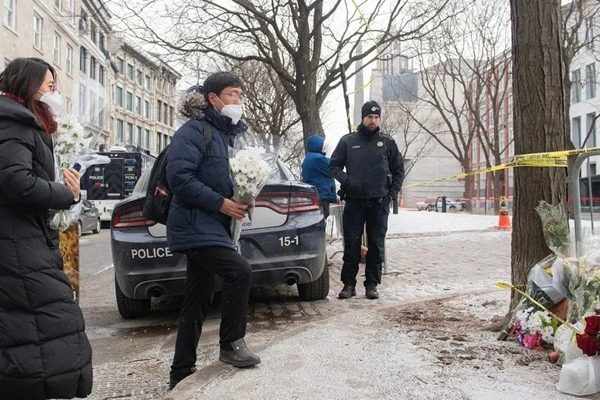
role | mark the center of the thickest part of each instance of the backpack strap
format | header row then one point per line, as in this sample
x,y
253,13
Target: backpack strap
x,y
207,133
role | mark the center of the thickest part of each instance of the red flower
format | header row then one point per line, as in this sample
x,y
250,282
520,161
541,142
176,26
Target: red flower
x,y
588,344
592,325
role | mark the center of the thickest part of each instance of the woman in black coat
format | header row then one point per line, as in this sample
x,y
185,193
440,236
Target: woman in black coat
x,y
44,351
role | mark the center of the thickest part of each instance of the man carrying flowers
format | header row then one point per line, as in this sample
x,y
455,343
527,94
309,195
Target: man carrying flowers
x,y
199,222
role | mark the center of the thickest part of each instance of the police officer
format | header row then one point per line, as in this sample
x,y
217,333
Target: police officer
x,y
374,171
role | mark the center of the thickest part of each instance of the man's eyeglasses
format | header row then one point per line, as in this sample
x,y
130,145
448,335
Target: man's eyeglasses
x,y
235,96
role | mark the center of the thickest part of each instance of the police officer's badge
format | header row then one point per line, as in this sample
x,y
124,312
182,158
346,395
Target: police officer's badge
x,y
379,144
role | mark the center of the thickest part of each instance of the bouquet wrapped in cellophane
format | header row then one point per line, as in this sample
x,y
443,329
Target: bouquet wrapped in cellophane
x,y
71,151
250,165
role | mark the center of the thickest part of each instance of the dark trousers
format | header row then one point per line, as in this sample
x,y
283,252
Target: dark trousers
x,y
202,264
357,212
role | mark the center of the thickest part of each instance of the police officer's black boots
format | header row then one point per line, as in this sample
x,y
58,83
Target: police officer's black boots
x,y
347,292
372,292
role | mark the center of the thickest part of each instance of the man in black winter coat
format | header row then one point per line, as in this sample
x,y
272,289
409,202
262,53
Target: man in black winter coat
x,y
374,171
198,224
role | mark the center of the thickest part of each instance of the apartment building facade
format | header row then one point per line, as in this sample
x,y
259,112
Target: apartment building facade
x,y
145,100
119,94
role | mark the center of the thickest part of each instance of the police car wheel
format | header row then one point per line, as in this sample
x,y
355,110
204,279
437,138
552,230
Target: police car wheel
x,y
130,308
316,290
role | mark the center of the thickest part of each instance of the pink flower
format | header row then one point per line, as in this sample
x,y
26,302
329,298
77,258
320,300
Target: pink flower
x,y
533,342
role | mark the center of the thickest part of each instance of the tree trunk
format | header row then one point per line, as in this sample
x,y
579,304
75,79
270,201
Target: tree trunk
x,y
468,195
539,125
308,110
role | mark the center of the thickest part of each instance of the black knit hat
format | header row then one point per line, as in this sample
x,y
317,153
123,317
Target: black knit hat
x,y
370,107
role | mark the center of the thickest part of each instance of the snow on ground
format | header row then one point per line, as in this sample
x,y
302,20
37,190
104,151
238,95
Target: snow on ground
x,y
409,221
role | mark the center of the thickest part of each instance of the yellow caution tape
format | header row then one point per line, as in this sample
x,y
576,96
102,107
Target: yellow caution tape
x,y
508,286
555,159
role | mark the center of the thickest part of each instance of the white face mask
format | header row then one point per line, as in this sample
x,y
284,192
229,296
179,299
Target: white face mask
x,y
233,111
54,100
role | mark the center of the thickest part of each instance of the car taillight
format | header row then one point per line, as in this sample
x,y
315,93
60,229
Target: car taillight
x,y
130,218
284,203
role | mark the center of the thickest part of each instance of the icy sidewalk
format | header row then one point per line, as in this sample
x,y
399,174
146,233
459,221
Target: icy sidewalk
x,y
426,350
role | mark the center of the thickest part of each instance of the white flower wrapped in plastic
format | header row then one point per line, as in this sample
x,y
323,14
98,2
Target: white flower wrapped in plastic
x,y
250,165
71,150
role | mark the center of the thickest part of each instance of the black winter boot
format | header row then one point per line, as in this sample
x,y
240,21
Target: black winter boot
x,y
372,292
239,356
347,292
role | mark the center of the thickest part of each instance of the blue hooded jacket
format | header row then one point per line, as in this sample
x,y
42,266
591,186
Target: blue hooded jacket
x,y
315,169
199,180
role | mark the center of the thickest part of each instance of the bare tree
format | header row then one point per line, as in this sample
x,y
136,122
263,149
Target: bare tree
x,y
413,142
539,124
317,39
268,109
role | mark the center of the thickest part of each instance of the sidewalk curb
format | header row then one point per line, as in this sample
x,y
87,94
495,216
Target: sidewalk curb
x,y
186,388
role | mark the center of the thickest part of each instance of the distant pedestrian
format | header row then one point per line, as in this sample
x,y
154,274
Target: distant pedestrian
x,y
44,351
315,171
199,220
370,169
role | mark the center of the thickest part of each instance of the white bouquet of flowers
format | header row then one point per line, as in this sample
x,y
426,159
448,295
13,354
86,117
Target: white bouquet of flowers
x,y
71,149
250,166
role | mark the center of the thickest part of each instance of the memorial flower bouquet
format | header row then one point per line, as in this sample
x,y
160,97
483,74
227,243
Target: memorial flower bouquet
x,y
250,166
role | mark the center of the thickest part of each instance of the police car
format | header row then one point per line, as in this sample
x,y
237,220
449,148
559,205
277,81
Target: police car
x,y
284,243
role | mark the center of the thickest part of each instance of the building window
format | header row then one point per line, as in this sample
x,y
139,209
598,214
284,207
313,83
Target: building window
x,y
69,61
171,114
590,81
589,32
9,13
590,130
140,77
120,129
58,4
129,133
101,112
38,24
147,143
93,105
129,101
101,42
93,33
576,86
119,96
138,105
82,100
147,109
148,82
159,111
120,64
166,117
130,71
576,132
71,8
139,136
101,75
158,142
93,68
56,52
83,60
165,141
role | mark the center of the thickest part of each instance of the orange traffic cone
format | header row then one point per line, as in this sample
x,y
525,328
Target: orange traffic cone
x,y
504,221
